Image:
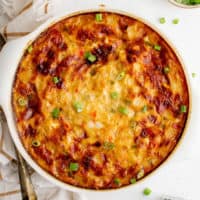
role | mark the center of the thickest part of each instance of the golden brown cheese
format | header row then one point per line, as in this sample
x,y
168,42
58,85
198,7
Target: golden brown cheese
x,y
100,100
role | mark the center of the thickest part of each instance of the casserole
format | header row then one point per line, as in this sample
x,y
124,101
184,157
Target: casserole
x,y
22,44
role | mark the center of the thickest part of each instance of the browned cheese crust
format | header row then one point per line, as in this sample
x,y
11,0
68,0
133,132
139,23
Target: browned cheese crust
x,y
100,100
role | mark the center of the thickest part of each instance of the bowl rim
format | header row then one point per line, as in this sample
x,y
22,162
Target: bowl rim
x,y
14,133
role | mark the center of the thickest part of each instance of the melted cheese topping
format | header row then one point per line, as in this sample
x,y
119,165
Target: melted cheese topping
x,y
100,122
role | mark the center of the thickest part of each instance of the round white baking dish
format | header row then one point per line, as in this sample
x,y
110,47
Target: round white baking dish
x,y
9,60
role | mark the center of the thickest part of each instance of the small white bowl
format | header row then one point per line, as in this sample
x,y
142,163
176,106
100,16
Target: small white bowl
x,y
184,5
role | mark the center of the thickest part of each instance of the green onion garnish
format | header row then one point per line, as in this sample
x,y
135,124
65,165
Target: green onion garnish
x,y
183,109
193,75
147,191
132,180
55,113
90,57
117,181
175,21
157,47
30,48
78,106
121,75
108,145
114,95
189,2
22,102
99,17
166,70
144,109
162,20
55,79
123,110
73,167
36,143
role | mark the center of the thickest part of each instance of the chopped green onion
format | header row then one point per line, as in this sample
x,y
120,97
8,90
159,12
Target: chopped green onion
x,y
22,102
175,21
121,75
30,48
162,20
157,47
166,70
90,57
108,145
193,75
183,109
55,79
99,17
55,113
73,167
189,2
144,109
193,2
147,191
35,143
114,95
78,106
123,110
140,174
132,180
117,181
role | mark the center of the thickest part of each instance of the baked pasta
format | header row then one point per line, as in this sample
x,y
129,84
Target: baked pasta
x,y
100,100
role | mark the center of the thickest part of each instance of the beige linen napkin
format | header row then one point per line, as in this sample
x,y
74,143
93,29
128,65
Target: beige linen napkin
x,y
21,17
25,15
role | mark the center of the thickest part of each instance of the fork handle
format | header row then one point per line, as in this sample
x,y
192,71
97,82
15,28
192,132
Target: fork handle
x,y
27,189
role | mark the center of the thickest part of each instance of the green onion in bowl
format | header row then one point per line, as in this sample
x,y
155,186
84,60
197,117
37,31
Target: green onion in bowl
x,y
186,3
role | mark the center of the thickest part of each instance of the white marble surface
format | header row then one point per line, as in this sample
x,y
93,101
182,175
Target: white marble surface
x,y
180,175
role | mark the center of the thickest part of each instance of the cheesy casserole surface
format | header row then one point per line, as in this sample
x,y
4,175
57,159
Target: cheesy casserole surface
x,y
100,100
